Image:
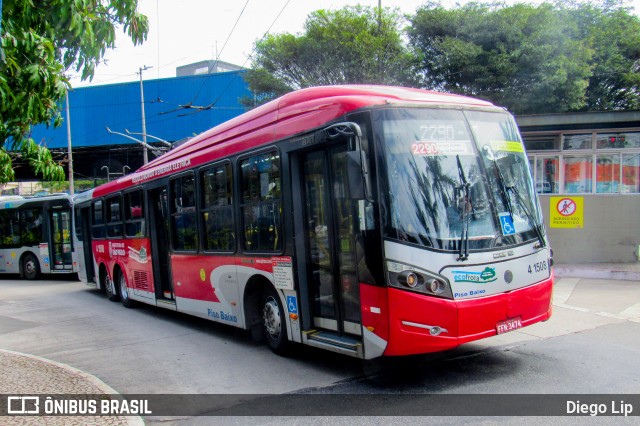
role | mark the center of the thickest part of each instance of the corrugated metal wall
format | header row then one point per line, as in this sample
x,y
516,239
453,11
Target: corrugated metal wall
x,y
117,106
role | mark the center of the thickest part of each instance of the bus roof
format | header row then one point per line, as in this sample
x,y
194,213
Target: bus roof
x,y
13,201
294,113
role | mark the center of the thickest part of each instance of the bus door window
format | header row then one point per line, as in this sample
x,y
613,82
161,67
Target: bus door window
x,y
159,233
331,217
61,238
97,220
345,216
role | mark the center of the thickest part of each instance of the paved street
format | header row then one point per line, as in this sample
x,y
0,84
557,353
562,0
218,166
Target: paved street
x,y
591,345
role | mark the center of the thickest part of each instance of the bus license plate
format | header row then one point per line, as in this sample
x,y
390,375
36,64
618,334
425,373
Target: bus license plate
x,y
509,325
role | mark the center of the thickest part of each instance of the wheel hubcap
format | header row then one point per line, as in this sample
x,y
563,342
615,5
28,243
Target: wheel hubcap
x,y
271,316
123,288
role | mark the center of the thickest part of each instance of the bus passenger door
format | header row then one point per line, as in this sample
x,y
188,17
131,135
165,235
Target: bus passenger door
x,y
329,236
61,252
159,233
85,254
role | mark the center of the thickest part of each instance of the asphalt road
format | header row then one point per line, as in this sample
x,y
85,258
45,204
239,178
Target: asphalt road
x,y
590,346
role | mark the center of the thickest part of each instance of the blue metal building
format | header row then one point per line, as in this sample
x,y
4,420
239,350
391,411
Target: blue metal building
x,y
175,109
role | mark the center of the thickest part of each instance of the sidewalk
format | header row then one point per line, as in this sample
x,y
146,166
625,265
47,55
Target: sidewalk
x,y
610,271
585,297
23,374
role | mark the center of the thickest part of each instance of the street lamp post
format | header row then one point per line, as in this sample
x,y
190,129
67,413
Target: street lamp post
x,y
145,156
70,153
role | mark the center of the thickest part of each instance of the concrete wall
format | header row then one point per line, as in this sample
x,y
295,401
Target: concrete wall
x,y
611,231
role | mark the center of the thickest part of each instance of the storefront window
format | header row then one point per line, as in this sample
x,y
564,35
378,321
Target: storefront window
x,y
630,174
548,175
618,140
577,174
542,142
608,174
582,141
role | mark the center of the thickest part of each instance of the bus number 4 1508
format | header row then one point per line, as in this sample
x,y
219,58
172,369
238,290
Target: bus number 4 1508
x,y
538,267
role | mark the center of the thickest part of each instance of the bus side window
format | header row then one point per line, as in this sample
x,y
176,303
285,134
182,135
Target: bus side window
x,y
31,232
134,214
217,209
114,216
261,203
183,213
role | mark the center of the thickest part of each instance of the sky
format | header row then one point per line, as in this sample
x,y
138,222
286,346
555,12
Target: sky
x,y
187,31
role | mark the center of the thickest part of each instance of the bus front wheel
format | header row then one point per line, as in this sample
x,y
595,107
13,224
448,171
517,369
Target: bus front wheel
x,y
30,267
273,320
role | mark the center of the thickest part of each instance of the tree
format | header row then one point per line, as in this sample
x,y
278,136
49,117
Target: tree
x,y
41,41
614,35
353,45
524,57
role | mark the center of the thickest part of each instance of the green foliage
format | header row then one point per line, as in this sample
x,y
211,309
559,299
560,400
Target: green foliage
x,y
41,41
353,45
614,35
566,56
523,57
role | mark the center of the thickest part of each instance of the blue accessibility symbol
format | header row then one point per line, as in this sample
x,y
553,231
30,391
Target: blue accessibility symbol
x,y
506,222
292,304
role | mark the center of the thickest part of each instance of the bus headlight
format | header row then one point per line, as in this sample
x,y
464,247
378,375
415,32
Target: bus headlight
x,y
410,278
436,286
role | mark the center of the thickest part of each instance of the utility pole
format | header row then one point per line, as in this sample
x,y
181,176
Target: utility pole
x,y
70,154
145,156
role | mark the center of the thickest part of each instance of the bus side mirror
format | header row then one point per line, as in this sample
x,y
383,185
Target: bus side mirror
x,y
357,161
358,176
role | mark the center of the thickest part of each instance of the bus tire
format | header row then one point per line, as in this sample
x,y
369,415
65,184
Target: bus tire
x,y
30,267
273,322
124,291
111,293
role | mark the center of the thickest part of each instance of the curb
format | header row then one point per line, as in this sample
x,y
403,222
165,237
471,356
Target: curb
x,y
586,271
93,380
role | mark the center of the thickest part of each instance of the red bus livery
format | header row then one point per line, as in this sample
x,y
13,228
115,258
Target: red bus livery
x,y
367,220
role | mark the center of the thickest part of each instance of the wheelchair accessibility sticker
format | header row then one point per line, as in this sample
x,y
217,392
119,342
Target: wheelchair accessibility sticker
x,y
292,304
506,222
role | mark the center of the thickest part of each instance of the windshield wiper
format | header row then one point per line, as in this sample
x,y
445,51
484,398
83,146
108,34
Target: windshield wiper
x,y
527,213
463,253
506,199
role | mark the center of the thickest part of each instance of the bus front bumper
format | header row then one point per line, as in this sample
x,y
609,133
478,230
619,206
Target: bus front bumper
x,y
421,324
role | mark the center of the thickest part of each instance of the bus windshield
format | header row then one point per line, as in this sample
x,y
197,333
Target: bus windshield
x,y
455,178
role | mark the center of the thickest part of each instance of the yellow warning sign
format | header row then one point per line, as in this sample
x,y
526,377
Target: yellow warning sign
x,y
566,212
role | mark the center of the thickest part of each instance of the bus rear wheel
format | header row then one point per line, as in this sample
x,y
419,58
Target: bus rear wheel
x,y
124,291
273,321
30,267
112,294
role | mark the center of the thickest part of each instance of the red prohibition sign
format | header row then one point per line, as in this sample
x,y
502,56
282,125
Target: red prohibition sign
x,y
566,207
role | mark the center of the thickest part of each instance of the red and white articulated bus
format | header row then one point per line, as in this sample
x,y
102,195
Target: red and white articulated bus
x,y
366,220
